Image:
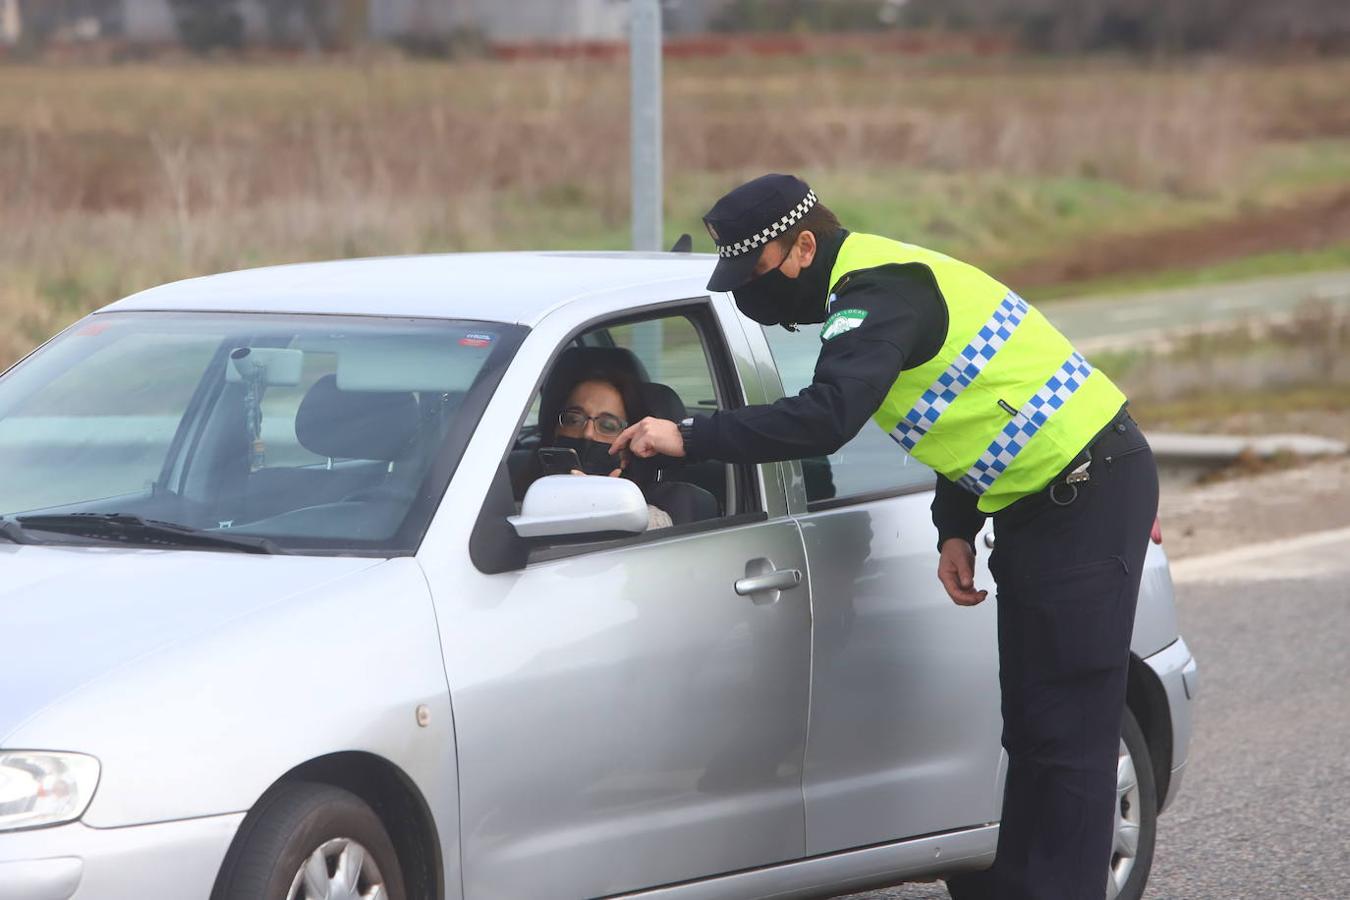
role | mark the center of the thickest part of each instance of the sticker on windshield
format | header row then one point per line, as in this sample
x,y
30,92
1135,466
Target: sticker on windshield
x,y
841,321
475,339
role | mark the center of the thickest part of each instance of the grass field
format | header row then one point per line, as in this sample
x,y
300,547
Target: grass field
x,y
115,178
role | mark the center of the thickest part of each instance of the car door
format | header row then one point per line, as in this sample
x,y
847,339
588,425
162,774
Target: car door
x,y
904,725
624,716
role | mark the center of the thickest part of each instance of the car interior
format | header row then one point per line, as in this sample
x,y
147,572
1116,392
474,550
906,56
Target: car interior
x,y
316,437
368,429
690,491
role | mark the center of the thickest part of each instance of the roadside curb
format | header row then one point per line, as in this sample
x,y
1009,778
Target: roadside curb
x,y
1219,448
1225,564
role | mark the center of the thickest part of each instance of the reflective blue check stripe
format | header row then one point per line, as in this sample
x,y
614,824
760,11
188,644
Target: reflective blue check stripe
x,y
958,376
1023,426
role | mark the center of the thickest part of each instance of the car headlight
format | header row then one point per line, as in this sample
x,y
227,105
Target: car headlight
x,y
39,788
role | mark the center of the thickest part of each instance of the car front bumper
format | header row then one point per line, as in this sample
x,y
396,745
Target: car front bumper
x,y
1177,671
138,861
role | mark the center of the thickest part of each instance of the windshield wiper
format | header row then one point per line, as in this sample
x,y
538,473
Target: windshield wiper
x,y
131,529
13,531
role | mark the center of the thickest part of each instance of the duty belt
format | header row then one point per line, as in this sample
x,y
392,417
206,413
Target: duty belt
x,y
1063,488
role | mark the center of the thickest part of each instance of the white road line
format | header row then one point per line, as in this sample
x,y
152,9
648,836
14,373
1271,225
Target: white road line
x,y
1285,558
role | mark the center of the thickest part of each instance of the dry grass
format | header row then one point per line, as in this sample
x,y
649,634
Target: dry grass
x,y
116,178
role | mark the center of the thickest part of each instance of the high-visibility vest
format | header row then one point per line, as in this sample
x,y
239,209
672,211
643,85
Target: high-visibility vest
x,y
1006,404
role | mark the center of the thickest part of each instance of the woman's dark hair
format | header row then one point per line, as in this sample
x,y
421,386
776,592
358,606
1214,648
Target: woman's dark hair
x,y
580,364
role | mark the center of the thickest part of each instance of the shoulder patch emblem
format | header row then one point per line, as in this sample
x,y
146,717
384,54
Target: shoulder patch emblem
x,y
841,321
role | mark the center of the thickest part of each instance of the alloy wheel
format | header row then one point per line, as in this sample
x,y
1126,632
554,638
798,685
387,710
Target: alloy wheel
x,y
339,869
1125,847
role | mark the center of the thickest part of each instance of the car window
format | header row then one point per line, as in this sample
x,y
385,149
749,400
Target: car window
x,y
100,427
674,359
320,433
869,464
673,354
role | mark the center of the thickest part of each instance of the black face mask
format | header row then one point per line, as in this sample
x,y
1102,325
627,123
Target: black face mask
x,y
774,298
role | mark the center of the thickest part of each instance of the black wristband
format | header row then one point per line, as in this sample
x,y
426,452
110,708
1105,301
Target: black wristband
x,y
686,427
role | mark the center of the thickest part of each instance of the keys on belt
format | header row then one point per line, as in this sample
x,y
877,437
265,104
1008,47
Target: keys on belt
x,y
1078,475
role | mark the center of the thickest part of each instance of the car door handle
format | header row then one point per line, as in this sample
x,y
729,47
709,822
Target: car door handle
x,y
761,576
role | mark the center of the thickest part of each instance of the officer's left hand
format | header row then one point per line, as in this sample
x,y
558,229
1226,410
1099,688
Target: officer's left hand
x,y
649,437
956,571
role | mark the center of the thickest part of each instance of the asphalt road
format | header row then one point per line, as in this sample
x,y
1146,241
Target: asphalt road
x,y
1264,811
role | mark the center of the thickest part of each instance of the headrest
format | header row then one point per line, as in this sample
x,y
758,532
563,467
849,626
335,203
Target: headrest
x,y
356,424
662,401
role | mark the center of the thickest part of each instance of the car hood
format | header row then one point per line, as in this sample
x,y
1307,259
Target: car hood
x,y
71,614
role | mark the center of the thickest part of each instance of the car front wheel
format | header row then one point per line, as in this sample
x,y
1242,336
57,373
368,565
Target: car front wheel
x,y
1135,826
307,841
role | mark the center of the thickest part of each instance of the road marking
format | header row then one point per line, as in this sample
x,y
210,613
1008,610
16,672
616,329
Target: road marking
x,y
1295,557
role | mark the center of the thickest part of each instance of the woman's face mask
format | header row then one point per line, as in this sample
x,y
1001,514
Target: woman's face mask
x,y
774,298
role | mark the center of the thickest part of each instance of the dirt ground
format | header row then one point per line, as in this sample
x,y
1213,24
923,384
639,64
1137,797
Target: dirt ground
x,y
1315,224
1200,519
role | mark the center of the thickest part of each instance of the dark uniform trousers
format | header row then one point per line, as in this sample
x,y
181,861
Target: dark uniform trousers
x,y
1068,580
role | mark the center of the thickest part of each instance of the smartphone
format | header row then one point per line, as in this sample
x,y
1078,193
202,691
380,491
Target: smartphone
x,y
558,460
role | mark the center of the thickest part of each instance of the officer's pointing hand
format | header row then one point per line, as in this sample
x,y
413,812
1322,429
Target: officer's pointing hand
x,y
956,571
650,437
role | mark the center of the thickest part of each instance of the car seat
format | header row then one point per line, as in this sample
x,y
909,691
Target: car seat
x,y
686,502
381,426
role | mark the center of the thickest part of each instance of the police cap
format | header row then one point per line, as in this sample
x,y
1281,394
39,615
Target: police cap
x,y
746,219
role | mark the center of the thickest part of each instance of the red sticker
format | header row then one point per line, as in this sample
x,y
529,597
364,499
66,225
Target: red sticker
x,y
93,328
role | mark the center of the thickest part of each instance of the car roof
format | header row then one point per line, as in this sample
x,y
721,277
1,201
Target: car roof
x,y
501,287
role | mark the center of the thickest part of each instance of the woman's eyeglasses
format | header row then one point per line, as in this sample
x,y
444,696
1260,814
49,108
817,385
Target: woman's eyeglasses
x,y
606,424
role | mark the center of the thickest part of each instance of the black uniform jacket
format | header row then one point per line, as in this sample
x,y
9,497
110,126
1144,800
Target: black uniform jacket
x,y
904,327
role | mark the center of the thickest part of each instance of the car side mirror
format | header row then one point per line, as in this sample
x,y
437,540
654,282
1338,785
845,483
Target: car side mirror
x,y
571,504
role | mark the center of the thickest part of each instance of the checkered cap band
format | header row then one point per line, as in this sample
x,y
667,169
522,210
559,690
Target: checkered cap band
x,y
740,248
963,370
1023,427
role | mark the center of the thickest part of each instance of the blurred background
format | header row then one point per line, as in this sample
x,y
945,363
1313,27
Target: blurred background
x,y
1130,165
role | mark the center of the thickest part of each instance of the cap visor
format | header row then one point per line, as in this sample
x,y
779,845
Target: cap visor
x,y
733,271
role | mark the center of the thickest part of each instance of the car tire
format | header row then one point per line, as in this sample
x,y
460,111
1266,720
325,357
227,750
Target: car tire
x,y
1136,805
301,836
1135,828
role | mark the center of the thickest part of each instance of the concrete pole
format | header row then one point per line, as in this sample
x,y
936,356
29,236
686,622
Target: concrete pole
x,y
11,25
644,61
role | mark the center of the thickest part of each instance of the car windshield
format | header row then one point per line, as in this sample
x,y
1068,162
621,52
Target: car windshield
x,y
321,434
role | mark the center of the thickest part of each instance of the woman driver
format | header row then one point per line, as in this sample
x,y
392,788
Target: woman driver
x,y
593,414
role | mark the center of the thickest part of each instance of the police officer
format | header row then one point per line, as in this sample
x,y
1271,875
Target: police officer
x,y
974,382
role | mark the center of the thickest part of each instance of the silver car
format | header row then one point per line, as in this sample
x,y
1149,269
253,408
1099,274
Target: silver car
x,y
283,617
